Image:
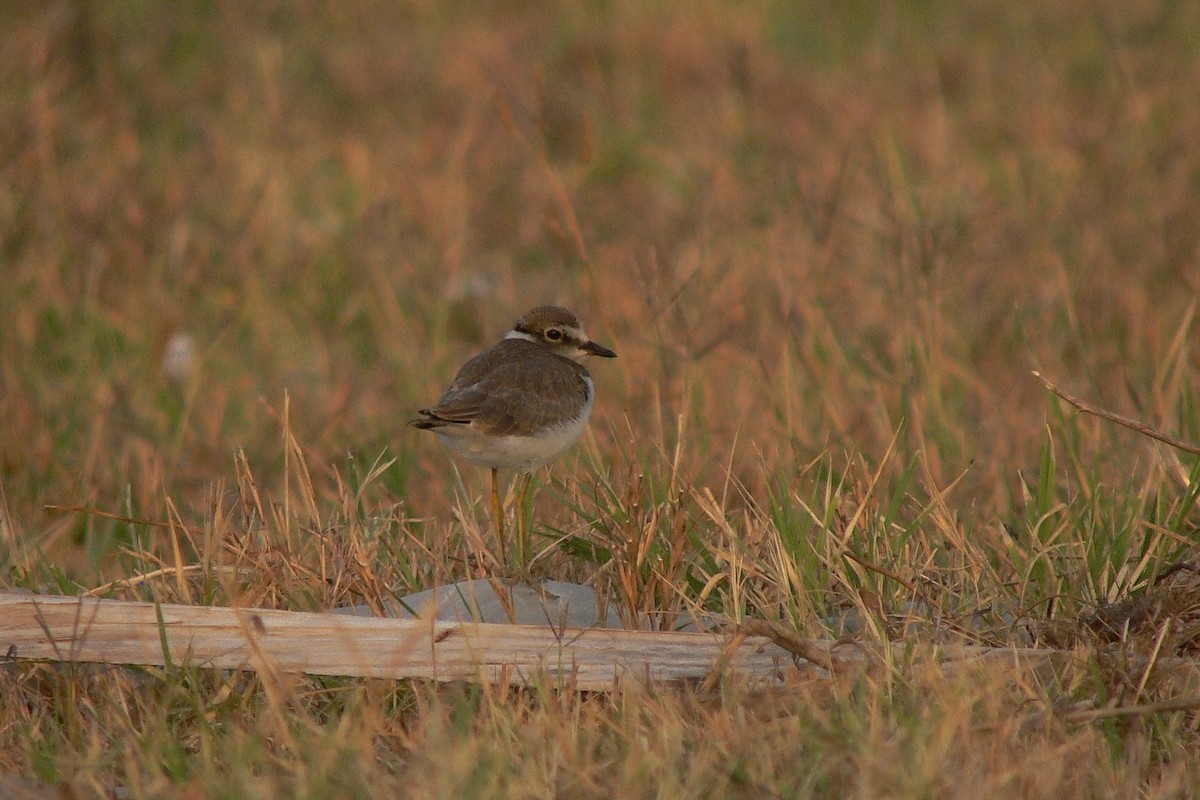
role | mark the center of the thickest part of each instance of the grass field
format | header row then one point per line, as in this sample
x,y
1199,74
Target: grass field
x,y
240,245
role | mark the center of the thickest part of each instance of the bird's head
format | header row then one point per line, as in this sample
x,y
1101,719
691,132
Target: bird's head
x,y
559,331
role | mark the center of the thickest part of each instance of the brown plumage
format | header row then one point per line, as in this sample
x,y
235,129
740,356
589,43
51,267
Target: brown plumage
x,y
516,388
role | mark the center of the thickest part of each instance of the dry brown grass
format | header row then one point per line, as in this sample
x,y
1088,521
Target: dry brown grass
x,y
828,243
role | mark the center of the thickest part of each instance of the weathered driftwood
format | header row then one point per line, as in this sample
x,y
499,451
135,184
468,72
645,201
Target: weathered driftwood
x,y
119,632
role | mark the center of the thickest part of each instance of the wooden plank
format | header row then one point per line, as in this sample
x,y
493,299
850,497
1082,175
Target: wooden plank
x,y
119,632
87,629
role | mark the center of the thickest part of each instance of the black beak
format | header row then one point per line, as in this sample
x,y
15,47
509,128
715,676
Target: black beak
x,y
593,349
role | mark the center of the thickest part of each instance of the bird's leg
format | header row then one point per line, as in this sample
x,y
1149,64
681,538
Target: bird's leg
x,y
523,552
498,515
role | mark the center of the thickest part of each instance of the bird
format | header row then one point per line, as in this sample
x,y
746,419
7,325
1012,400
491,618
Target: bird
x,y
520,404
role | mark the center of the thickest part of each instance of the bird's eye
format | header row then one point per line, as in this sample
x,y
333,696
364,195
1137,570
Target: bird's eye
x,y
554,334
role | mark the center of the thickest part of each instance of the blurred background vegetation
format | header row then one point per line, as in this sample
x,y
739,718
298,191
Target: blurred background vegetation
x,y
240,244
800,224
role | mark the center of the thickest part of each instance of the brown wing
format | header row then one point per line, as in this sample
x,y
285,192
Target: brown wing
x,y
515,388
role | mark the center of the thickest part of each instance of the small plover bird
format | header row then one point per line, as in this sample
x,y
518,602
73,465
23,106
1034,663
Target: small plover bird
x,y
521,403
